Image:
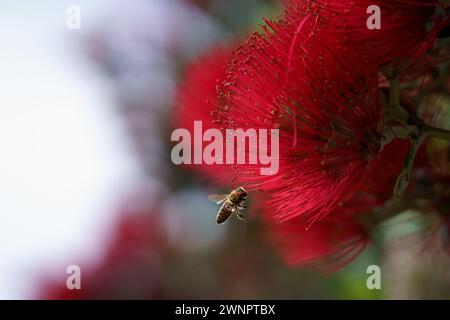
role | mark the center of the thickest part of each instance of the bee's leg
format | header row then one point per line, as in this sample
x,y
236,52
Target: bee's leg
x,y
241,205
240,216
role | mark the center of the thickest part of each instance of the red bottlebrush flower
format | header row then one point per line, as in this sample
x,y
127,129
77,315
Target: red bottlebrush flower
x,y
379,184
197,98
335,241
325,105
408,28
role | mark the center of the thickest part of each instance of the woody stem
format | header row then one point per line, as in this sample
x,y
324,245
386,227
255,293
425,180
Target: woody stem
x,y
438,133
394,97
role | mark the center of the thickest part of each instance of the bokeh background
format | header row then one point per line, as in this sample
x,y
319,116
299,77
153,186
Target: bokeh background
x,y
86,178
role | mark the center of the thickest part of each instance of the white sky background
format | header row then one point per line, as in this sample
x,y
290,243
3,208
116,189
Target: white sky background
x,y
64,156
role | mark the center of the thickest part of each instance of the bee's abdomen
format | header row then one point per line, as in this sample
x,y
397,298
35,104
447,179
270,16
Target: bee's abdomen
x,y
225,212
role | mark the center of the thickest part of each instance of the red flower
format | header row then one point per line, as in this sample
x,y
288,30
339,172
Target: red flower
x,y
197,98
323,101
408,27
328,246
131,266
333,242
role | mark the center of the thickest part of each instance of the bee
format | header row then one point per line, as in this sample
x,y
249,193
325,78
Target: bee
x,y
231,203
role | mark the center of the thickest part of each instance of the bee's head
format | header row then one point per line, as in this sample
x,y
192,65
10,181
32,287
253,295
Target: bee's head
x,y
241,191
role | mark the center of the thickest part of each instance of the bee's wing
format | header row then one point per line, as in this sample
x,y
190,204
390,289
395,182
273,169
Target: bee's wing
x,y
218,198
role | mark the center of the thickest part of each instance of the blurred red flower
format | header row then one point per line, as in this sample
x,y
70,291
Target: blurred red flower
x,y
197,99
132,265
